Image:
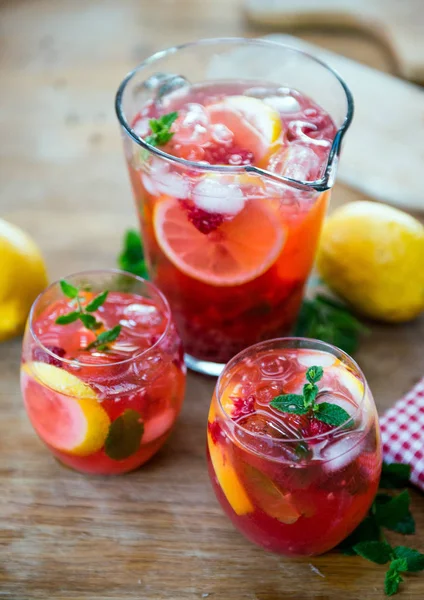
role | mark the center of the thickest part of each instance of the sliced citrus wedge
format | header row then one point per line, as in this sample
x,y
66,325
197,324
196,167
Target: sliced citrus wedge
x,y
255,125
239,251
269,497
63,409
227,477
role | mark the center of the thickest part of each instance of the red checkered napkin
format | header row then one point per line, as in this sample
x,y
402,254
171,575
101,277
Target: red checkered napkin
x,y
402,432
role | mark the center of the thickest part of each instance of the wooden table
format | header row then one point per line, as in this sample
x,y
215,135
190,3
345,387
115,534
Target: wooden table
x,y
157,533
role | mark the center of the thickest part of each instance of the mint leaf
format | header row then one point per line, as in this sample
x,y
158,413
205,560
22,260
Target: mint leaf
x,y
393,578
377,552
367,531
290,403
131,258
414,559
89,321
68,289
310,392
328,320
395,475
97,302
168,119
161,133
332,414
68,318
125,434
314,374
105,338
394,514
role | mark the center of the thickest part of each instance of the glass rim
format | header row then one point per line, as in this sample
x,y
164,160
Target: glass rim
x,y
319,185
330,348
92,272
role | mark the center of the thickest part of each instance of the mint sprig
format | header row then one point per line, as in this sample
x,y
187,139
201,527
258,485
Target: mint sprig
x,y
302,404
131,258
393,513
401,559
161,129
83,312
324,318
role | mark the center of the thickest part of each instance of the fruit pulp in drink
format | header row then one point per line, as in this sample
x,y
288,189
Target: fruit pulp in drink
x,y
231,250
288,482
104,411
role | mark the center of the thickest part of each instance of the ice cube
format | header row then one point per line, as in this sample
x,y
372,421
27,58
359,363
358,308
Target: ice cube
x,y
283,104
192,125
303,130
266,434
266,392
215,197
342,449
142,314
297,162
274,366
311,358
220,134
142,128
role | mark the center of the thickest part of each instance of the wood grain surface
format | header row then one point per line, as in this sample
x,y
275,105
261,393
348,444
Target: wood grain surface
x,y
398,24
157,533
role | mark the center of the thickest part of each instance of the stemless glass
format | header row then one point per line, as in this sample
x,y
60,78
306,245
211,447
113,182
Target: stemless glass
x,y
288,482
231,280
109,409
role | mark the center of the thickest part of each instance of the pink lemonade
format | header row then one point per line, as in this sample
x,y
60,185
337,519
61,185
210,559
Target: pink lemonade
x,y
231,249
290,482
103,410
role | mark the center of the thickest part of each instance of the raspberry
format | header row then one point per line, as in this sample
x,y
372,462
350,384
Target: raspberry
x,y
243,406
41,355
215,431
204,221
316,427
228,155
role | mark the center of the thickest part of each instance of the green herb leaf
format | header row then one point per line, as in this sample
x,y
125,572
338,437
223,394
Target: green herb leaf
x,y
314,374
131,258
414,559
89,321
161,133
68,318
393,577
330,321
97,302
125,434
367,531
394,514
290,403
68,289
332,414
395,475
378,552
105,338
310,392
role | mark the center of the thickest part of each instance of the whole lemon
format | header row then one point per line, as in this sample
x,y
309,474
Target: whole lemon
x,y
372,255
22,277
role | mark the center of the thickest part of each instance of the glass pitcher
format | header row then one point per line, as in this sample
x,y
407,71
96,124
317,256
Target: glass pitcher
x,y
231,206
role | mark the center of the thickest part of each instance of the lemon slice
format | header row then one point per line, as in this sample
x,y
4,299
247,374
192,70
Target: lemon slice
x,y
255,125
64,410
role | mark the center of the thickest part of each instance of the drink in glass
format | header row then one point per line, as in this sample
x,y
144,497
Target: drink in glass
x,y
294,481
101,406
231,146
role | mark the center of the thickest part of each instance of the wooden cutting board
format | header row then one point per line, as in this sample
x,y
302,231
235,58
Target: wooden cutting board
x,y
383,152
399,24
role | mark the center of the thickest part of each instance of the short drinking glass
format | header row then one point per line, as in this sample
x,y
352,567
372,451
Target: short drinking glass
x,y
102,403
294,448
